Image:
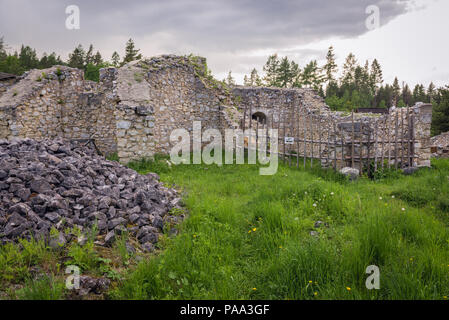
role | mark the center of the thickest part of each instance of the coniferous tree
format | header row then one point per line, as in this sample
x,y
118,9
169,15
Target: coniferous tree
x,y
246,81
349,69
131,53
97,60
271,71
28,58
330,68
230,80
115,59
396,90
311,76
3,53
254,79
77,58
407,96
284,74
430,93
376,74
89,55
440,115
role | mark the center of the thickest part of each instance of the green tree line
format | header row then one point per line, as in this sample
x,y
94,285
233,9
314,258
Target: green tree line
x,y
90,60
359,86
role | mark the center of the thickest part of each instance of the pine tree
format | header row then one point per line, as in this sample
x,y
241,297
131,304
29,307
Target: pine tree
x,y
97,60
284,76
330,68
89,55
3,53
77,58
115,59
230,80
295,75
246,81
430,93
349,69
440,115
28,58
254,79
131,53
311,77
407,96
396,92
271,71
376,75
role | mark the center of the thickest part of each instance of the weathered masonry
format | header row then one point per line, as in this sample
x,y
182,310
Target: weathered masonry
x,y
133,109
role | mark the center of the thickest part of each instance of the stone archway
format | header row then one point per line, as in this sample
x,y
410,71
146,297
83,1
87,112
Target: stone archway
x,y
260,117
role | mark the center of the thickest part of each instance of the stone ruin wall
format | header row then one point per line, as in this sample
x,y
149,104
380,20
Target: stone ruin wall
x,y
294,106
133,109
57,103
168,93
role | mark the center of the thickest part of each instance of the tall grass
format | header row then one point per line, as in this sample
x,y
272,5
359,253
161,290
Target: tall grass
x,y
249,236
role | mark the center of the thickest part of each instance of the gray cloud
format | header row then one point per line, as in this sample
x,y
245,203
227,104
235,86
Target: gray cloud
x,y
211,28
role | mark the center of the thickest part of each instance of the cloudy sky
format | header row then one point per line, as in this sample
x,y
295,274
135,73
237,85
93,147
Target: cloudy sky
x,y
237,35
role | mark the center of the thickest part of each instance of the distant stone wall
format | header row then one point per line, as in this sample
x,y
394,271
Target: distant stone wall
x,y
302,114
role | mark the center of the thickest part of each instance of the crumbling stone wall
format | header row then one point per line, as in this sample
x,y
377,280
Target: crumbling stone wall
x,y
57,103
133,110
161,94
302,114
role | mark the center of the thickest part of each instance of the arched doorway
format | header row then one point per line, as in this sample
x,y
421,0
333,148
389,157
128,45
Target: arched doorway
x,y
259,117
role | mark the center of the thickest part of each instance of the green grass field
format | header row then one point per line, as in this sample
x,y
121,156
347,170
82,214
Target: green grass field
x,y
249,237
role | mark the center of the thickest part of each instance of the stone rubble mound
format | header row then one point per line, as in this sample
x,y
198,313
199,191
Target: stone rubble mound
x,y
58,184
440,145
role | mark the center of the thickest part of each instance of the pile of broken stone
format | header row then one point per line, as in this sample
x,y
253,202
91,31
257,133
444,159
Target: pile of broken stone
x,y
51,186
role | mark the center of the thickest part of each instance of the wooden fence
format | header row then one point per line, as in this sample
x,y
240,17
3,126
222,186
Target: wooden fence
x,y
388,142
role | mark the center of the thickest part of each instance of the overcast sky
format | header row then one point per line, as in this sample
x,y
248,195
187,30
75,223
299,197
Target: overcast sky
x,y
411,42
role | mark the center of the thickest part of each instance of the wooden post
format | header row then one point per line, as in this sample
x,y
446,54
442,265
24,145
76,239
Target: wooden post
x,y
290,127
335,146
343,162
383,138
389,141
412,138
257,136
244,119
311,141
319,134
329,146
396,132
376,145
408,137
297,138
402,138
369,147
352,143
361,149
305,136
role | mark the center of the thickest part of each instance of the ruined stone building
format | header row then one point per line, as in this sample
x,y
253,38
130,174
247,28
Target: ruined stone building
x,y
133,109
